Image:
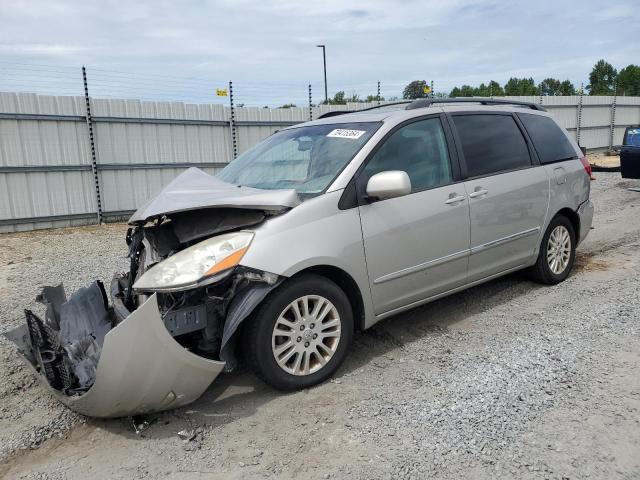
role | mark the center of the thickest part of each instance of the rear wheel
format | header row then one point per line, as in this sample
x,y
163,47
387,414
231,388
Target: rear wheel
x,y
301,333
557,252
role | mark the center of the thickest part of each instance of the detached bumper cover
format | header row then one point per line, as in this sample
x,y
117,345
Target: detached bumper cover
x,y
142,369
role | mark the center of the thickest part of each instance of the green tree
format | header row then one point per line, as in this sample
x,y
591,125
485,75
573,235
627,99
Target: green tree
x,y
629,81
481,91
374,98
455,92
467,91
521,86
602,78
354,98
550,87
495,89
567,88
287,105
415,90
338,99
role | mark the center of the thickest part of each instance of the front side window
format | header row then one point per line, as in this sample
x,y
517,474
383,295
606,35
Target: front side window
x,y
420,149
491,144
306,159
550,142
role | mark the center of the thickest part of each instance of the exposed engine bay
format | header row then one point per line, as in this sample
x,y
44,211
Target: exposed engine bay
x,y
202,314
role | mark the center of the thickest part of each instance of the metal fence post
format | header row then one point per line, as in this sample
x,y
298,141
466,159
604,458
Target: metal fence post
x,y
613,115
310,105
433,94
579,114
94,161
378,96
232,122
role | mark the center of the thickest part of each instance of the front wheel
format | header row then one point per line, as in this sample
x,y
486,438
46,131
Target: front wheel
x,y
300,334
557,252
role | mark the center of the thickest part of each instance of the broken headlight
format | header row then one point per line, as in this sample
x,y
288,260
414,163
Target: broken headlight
x,y
202,263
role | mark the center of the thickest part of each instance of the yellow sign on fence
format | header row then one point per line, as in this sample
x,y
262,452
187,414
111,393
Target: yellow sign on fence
x,y
221,92
426,89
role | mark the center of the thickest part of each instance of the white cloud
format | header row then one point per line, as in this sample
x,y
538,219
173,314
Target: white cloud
x,y
269,48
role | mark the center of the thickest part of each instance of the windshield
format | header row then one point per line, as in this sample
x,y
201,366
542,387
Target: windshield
x,y
305,158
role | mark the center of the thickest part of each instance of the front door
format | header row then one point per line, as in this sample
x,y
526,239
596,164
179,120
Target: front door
x,y
416,246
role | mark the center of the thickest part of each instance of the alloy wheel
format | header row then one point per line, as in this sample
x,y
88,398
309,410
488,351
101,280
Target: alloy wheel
x,y
306,335
559,249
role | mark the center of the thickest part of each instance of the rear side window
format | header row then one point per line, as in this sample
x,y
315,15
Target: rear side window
x,y
491,144
548,139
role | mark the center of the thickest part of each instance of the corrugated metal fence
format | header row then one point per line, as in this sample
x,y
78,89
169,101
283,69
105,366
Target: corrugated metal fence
x,y
50,176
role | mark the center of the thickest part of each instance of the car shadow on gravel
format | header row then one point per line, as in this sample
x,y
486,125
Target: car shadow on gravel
x,y
239,395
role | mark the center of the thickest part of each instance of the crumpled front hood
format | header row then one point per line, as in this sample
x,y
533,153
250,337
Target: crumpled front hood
x,y
195,189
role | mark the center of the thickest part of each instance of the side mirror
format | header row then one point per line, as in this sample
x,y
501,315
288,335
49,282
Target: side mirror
x,y
389,184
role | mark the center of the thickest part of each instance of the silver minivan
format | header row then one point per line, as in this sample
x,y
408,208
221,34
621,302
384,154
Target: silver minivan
x,y
322,229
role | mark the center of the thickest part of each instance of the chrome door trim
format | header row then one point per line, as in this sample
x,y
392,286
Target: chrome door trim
x,y
503,240
417,303
454,256
422,266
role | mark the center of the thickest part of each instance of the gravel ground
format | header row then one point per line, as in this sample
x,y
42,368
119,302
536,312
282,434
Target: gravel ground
x,y
508,379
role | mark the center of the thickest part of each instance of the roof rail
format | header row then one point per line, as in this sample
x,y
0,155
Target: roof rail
x,y
344,112
335,113
427,102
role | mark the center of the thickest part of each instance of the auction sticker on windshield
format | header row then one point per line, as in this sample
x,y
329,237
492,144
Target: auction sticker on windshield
x,y
345,133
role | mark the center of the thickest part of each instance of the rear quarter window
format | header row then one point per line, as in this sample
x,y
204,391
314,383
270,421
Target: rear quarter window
x,y
548,139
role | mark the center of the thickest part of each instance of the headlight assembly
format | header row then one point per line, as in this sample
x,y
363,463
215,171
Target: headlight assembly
x,y
197,265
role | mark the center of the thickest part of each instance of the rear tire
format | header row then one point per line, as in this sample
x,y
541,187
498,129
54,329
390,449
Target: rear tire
x,y
557,252
300,334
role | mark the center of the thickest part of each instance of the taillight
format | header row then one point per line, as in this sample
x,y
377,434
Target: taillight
x,y
587,167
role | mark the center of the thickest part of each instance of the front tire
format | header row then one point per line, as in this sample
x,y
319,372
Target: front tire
x,y
557,252
300,334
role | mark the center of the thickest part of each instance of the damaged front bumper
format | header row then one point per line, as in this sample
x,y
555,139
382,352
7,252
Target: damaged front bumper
x,y
104,361
141,368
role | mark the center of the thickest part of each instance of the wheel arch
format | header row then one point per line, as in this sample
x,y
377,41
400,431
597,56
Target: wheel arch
x,y
347,284
573,217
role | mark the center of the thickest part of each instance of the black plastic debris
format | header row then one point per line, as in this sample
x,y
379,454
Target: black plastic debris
x,y
67,344
141,423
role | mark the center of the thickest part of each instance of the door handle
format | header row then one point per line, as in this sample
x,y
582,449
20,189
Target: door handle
x,y
455,199
478,193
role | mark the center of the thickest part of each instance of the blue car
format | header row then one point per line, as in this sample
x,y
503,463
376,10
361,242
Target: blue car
x,y
630,153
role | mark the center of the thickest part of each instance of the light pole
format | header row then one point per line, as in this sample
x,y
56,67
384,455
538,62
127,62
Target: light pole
x,y
324,61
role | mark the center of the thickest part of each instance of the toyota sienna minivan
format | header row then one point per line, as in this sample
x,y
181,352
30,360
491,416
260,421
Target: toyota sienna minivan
x,y
322,229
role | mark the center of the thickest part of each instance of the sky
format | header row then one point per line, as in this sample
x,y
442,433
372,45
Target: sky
x,y
184,50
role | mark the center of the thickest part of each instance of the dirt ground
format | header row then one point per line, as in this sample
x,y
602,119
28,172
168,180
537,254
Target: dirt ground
x,y
601,159
506,380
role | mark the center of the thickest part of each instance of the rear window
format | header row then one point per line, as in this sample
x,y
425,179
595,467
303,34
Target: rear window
x,y
548,139
491,144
